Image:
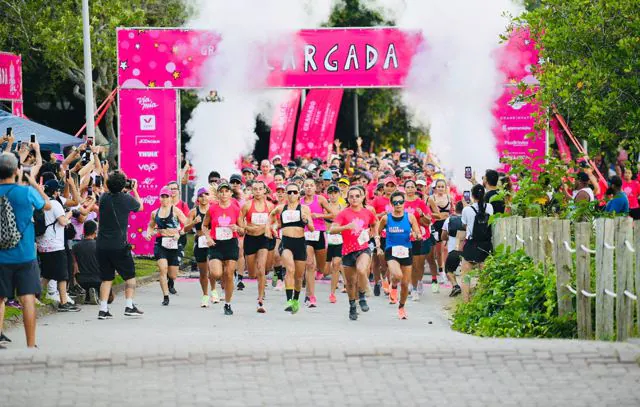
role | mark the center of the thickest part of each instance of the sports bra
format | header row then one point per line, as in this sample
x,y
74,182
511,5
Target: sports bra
x,y
198,226
170,222
292,212
445,208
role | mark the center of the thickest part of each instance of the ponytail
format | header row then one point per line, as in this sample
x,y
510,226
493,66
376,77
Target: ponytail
x,y
477,192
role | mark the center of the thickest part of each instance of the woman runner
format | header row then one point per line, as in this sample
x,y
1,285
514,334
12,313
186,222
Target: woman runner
x,y
334,250
221,225
293,218
440,204
420,248
165,225
401,227
355,223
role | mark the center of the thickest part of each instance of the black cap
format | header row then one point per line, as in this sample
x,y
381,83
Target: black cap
x,y
224,185
333,188
235,177
292,164
247,169
582,176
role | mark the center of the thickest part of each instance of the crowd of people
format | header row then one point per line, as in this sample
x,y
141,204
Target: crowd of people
x,y
372,224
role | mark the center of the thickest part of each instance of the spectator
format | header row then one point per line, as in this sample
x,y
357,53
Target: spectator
x,y
51,246
631,187
583,191
490,182
85,262
619,204
18,266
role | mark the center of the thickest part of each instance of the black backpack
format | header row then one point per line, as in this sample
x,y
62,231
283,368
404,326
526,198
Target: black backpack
x,y
481,228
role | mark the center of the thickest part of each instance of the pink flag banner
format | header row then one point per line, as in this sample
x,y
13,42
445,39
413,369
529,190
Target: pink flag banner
x,y
17,109
284,125
10,76
563,147
317,123
321,58
148,151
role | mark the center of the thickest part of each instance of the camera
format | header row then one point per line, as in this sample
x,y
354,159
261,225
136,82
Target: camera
x,y
129,184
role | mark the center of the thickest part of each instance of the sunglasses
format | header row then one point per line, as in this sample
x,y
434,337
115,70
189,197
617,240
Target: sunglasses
x,y
164,196
236,182
203,194
213,181
354,196
292,192
399,202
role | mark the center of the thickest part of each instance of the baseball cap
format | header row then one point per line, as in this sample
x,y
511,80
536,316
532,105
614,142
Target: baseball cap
x,y
390,180
281,186
333,188
247,169
292,164
224,185
327,175
421,182
202,191
311,167
344,181
236,177
581,176
276,157
165,191
51,186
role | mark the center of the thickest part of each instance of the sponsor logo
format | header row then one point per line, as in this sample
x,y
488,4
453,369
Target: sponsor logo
x,y
148,154
147,103
147,122
148,167
149,199
147,181
146,140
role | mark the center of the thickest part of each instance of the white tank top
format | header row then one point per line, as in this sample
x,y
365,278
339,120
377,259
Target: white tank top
x,y
588,190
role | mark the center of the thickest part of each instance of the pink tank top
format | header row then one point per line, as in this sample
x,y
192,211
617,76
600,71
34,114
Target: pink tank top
x,y
315,207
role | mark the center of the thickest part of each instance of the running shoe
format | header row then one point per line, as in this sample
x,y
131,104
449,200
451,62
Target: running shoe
x,y
420,287
227,309
332,298
415,295
402,313
172,290
313,301
280,286
435,287
319,275
353,312
3,339
442,278
68,307
214,298
14,304
385,287
165,301
344,289
261,309
363,305
376,289
393,296
93,296
455,291
77,290
133,312
204,303
240,285
295,306
70,299
289,306
104,315
307,301
274,279
53,296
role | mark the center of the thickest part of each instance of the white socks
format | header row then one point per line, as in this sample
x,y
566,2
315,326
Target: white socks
x,y
129,303
104,306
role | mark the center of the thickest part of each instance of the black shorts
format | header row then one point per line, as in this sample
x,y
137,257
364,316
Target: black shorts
x,y
407,261
225,250
53,265
349,260
476,252
333,251
182,243
634,213
201,254
271,244
453,261
297,246
254,243
20,279
119,260
321,244
437,226
172,256
421,247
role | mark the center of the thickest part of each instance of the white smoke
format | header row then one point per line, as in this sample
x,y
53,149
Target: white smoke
x,y
222,132
455,80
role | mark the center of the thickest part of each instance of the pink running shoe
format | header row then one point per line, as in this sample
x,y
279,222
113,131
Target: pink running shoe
x,y
313,302
332,298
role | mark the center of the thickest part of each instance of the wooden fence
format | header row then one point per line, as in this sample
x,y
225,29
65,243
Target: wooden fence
x,y
571,248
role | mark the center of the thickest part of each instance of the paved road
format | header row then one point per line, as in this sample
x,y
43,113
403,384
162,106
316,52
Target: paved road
x,y
185,355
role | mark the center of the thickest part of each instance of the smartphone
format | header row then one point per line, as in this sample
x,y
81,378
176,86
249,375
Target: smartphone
x,y
9,131
90,182
467,172
67,174
33,138
25,171
90,191
98,180
18,145
89,142
467,196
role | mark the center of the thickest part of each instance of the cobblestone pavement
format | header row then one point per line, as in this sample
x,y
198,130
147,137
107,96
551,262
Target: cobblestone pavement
x,y
184,355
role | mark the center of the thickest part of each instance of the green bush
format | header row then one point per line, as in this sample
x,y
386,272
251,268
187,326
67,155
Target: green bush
x,y
514,298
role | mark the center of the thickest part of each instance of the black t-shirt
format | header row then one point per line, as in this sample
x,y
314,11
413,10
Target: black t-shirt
x,y
85,254
111,205
498,205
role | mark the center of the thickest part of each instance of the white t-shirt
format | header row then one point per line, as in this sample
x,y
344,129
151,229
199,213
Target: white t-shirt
x,y
53,238
469,216
451,243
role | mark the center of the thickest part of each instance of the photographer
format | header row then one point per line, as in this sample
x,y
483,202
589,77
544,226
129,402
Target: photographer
x,y
113,250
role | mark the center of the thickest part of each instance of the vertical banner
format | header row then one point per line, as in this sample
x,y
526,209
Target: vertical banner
x,y
148,151
317,123
10,76
17,109
283,126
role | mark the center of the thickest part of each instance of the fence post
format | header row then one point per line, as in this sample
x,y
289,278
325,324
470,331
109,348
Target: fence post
x,y
636,246
546,248
534,239
624,278
583,279
604,279
564,264
519,232
498,232
510,231
526,232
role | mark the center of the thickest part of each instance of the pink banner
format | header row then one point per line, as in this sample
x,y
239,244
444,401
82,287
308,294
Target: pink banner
x,y
345,57
317,123
563,147
284,125
10,76
17,109
148,151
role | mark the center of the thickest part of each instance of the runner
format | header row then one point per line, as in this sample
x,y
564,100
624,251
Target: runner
x,y
292,218
316,244
420,248
278,275
382,206
165,225
201,248
355,223
440,204
334,250
253,218
400,228
174,187
450,230
221,225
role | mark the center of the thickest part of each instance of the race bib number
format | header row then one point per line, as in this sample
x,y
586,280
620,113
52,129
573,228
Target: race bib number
x,y
423,231
290,216
364,237
312,236
223,233
259,218
169,243
202,242
400,252
334,239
